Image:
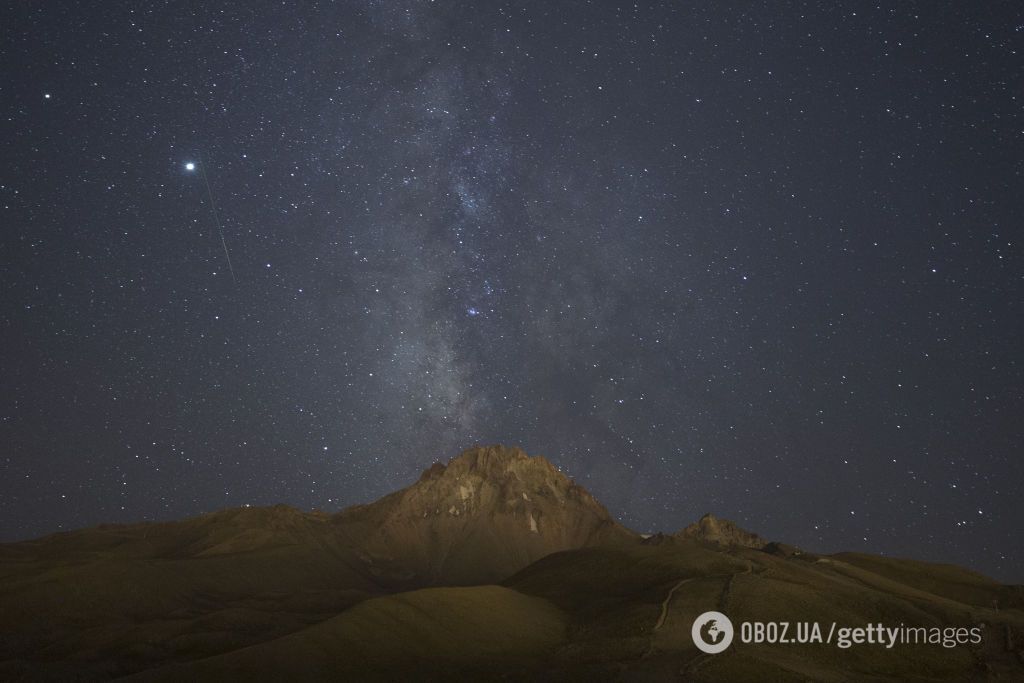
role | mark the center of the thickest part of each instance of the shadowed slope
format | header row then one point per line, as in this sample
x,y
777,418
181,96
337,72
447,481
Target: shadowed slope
x,y
115,599
631,610
418,635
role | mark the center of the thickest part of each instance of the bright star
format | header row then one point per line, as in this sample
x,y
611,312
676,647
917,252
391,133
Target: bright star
x,y
190,166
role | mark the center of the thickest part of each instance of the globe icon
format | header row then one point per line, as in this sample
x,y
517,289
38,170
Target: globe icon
x,y
712,632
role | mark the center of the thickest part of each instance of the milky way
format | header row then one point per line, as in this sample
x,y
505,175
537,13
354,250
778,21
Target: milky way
x,y
759,260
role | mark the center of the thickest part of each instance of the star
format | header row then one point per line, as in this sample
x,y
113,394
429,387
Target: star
x,y
190,166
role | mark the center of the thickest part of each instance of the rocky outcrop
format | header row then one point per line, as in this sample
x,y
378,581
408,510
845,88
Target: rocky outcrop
x,y
722,532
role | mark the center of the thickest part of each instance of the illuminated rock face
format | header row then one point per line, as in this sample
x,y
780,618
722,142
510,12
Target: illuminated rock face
x,y
486,514
723,532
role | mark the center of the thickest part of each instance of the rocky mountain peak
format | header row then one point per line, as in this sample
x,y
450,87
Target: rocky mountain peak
x,y
723,532
489,509
496,480
495,462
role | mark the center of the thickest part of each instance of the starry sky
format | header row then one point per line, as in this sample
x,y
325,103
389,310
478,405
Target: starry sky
x,y
755,259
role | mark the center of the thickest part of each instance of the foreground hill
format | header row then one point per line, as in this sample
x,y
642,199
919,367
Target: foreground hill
x,y
108,601
479,632
633,608
538,582
625,613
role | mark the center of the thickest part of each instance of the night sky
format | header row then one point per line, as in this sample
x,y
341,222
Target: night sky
x,y
761,260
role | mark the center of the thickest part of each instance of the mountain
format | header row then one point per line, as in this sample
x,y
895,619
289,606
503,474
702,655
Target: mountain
x,y
487,514
722,532
493,566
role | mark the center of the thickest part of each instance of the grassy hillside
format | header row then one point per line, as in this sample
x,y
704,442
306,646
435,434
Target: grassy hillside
x,y
427,634
113,600
618,626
